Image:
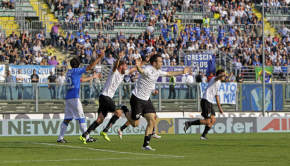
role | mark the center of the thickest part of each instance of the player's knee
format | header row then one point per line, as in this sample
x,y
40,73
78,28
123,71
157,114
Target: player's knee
x,y
100,120
135,123
118,113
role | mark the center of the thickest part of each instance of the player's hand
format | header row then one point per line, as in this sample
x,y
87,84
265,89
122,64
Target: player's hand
x,y
138,62
97,75
187,70
102,53
155,92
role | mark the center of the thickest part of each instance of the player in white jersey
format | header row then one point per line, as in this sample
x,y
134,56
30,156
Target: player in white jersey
x,y
73,105
106,102
210,95
140,100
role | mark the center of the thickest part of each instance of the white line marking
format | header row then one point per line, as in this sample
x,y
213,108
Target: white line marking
x,y
111,151
66,160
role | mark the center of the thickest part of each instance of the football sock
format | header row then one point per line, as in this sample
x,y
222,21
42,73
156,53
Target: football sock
x,y
92,127
83,126
63,128
153,131
123,127
196,122
147,140
206,129
113,119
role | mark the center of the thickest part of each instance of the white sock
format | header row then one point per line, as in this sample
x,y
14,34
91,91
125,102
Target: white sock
x,y
83,127
63,128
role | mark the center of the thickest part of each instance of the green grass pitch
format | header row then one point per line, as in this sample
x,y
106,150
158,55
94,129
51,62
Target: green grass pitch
x,y
271,149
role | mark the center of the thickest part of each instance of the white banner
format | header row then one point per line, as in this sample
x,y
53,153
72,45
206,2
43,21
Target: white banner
x,y
26,71
2,73
227,92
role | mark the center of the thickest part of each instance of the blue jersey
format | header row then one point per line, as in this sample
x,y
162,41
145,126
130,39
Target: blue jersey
x,y
73,80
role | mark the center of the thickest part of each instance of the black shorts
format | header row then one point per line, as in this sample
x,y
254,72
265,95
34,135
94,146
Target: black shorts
x,y
207,109
106,104
140,107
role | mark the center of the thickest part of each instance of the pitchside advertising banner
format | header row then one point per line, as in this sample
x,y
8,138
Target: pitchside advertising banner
x,y
51,127
228,92
27,70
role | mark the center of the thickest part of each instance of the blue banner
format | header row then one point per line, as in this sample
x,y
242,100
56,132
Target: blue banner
x,y
26,71
198,61
227,92
252,97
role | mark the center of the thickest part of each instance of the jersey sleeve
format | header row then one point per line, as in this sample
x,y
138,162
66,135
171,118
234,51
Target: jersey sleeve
x,y
81,70
162,73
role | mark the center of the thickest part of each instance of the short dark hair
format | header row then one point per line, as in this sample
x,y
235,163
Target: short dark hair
x,y
219,72
75,62
122,62
154,58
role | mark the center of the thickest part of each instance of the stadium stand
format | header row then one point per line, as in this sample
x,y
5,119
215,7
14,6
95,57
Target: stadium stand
x,y
50,32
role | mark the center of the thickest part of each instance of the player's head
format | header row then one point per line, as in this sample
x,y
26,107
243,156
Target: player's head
x,y
156,61
122,66
75,63
221,74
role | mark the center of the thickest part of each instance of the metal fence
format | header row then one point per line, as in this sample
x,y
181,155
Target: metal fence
x,y
186,99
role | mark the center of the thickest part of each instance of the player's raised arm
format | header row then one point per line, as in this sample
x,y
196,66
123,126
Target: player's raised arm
x,y
139,66
116,64
92,65
95,75
175,73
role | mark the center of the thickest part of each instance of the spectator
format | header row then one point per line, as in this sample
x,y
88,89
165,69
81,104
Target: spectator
x,y
34,80
19,85
53,61
172,93
51,85
60,80
9,84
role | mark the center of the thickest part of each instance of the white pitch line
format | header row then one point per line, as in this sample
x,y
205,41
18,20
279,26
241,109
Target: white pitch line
x,y
66,160
112,151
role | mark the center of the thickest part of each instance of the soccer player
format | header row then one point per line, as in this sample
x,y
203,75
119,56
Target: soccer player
x,y
106,102
140,100
210,95
73,105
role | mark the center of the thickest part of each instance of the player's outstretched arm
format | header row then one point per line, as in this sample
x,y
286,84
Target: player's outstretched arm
x,y
217,97
175,73
139,66
100,57
86,79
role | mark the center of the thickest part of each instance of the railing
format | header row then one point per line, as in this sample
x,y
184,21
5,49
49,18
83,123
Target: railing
x,y
187,97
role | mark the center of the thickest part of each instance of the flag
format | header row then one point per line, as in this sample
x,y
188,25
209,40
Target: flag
x,y
268,73
211,68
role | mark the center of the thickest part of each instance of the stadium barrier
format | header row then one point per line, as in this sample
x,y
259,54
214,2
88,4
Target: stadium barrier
x,y
51,127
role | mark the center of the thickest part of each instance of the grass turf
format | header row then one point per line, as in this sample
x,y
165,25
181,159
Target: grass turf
x,y
172,150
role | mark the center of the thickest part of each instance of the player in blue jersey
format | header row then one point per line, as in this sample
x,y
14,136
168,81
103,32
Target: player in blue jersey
x,y
73,106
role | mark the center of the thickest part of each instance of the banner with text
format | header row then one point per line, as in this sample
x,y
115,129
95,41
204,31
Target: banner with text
x,y
227,92
198,61
2,73
26,71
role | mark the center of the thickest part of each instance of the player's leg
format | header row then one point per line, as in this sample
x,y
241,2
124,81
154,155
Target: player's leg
x,y
116,116
63,129
211,120
93,126
68,116
154,134
120,130
204,114
150,118
208,127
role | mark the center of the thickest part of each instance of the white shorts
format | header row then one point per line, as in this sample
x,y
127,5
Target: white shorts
x,y
73,109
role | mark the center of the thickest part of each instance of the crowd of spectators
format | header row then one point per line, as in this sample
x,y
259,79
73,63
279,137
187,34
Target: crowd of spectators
x,y
237,34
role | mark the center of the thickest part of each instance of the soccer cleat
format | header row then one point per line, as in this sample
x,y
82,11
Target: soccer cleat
x,y
148,148
83,139
105,136
120,133
156,136
186,126
203,138
91,139
62,141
